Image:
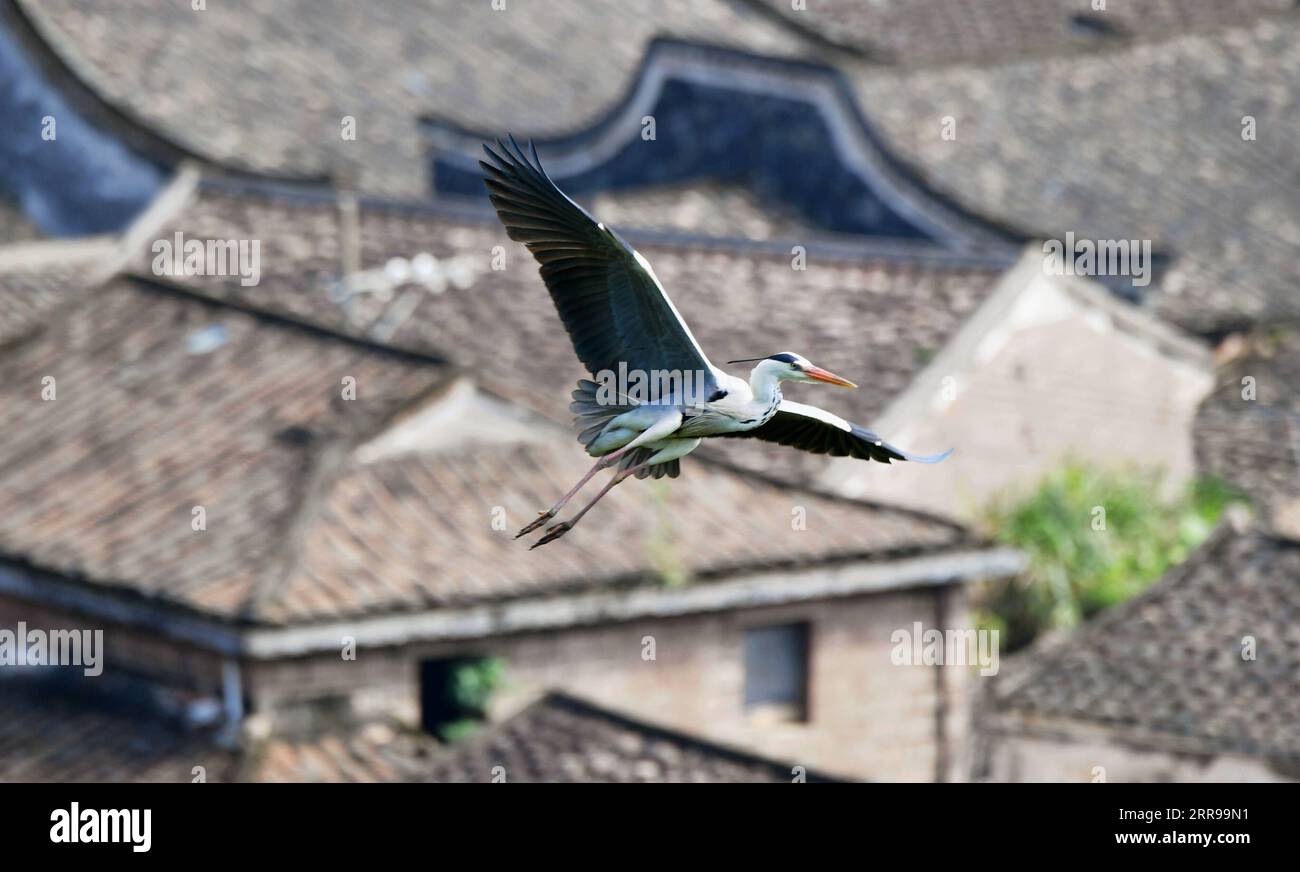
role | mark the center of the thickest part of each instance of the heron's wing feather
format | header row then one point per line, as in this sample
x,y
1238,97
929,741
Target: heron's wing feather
x,y
818,431
612,305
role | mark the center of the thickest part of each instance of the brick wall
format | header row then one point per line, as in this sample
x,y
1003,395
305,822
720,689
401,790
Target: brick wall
x,y
867,717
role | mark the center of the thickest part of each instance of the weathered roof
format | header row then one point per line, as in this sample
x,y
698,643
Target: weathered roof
x,y
164,403
702,208
61,730
1168,668
1140,143
916,32
788,130
54,734
877,318
302,67
58,735
65,731
417,532
563,739
27,297
370,753
1247,429
78,172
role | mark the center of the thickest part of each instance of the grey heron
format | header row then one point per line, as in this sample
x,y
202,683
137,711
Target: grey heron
x,y
620,320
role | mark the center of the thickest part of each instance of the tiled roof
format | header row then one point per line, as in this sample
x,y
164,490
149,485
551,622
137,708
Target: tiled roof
x,y
1140,143
28,297
912,32
163,404
705,209
372,753
38,276
67,731
417,532
1248,432
1168,664
877,319
562,739
50,736
558,739
275,80
1038,143
789,131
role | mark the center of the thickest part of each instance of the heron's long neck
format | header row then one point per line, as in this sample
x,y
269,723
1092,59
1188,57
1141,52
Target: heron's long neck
x,y
764,384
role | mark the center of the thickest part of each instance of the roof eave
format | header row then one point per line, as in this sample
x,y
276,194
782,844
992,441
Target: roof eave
x,y
261,641
1017,723
548,613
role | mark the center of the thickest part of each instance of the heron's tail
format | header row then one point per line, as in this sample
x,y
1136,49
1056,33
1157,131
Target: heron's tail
x,y
637,456
592,414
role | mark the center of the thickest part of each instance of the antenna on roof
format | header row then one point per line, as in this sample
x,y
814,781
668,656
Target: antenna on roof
x,y
349,223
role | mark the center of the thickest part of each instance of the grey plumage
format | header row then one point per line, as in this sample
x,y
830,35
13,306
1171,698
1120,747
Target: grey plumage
x,y
592,417
612,306
622,325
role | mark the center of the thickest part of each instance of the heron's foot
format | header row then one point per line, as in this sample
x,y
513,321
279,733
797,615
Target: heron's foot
x,y
542,518
554,533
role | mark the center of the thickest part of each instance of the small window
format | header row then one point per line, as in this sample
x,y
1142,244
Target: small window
x,y
776,673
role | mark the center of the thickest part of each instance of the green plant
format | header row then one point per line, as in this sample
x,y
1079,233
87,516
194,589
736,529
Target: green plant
x,y
474,681
1093,538
661,547
470,687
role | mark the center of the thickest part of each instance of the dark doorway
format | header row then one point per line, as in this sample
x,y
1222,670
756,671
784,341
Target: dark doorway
x,y
454,694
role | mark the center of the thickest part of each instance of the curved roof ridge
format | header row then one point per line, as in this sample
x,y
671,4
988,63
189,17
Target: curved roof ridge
x,y
118,121
858,148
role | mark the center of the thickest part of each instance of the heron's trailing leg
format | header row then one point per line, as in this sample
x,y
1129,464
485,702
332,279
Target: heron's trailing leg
x,y
664,451
554,510
563,527
654,423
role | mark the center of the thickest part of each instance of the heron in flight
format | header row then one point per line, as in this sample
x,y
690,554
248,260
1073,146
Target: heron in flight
x,y
619,319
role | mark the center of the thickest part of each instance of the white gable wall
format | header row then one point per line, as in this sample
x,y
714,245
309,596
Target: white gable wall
x,y
1051,368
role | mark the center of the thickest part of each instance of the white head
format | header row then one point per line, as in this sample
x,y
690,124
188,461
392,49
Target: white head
x,y
788,366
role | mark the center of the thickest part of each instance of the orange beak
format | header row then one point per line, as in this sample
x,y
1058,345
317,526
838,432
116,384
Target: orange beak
x,y
827,376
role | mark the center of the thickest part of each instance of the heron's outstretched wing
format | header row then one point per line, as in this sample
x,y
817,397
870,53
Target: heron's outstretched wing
x,y
607,295
809,428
